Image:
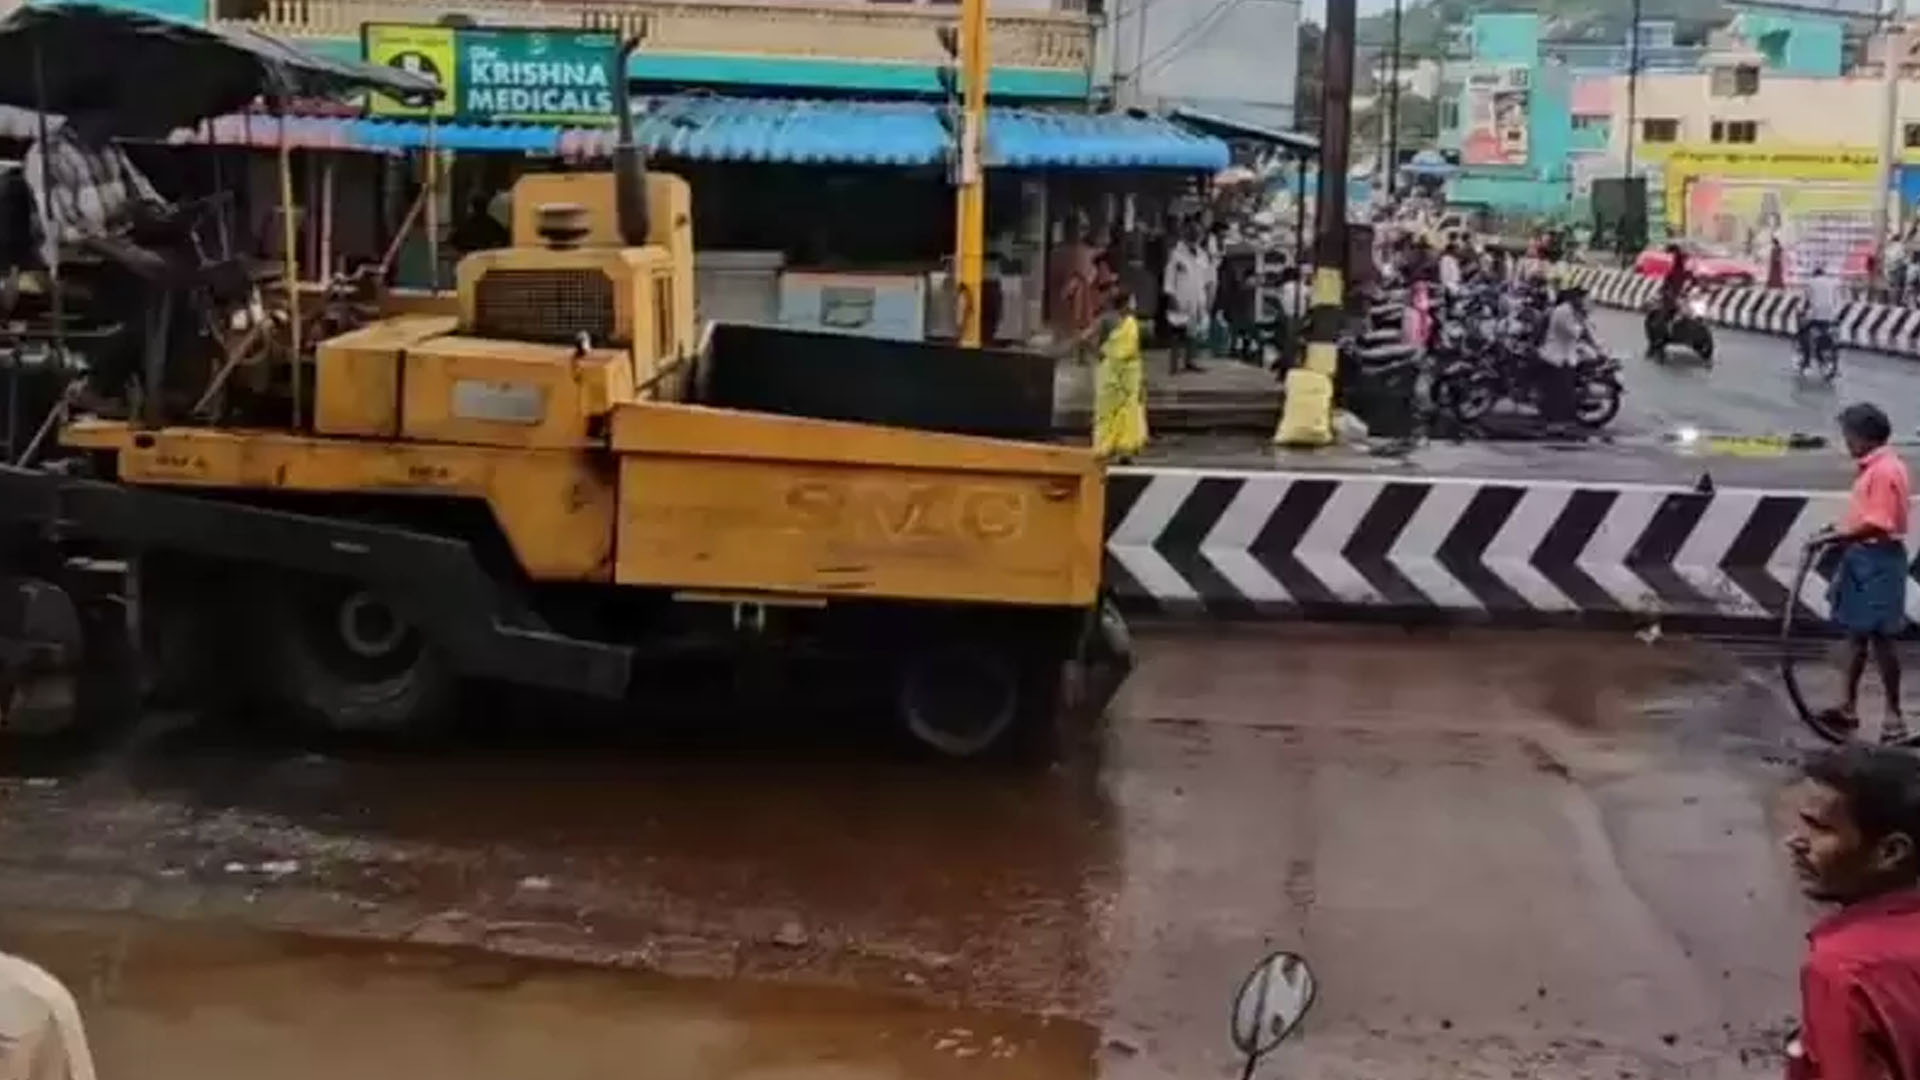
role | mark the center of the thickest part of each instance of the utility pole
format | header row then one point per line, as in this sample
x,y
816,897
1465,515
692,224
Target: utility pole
x,y
1307,419
1393,109
1893,45
1632,213
967,124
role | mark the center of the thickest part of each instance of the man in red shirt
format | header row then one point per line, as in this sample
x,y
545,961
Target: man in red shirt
x,y
1855,842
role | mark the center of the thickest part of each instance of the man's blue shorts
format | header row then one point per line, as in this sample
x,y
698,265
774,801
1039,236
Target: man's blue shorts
x,y
1869,588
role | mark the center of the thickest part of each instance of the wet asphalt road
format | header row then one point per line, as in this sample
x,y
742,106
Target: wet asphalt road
x,y
1751,390
1752,387
1506,855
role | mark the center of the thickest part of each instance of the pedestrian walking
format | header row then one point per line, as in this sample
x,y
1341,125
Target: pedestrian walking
x,y
1869,586
1854,842
1188,285
1119,388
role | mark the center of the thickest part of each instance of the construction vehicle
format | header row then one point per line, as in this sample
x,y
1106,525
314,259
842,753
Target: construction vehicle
x,y
555,479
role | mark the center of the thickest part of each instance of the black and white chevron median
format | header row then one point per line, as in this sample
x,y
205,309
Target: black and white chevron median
x,y
1277,544
1880,327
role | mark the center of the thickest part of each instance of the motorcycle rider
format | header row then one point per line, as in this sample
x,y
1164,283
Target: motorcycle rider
x,y
1567,330
1673,289
1824,297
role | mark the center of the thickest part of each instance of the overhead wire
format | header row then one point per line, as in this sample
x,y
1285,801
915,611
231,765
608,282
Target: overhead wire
x,y
1183,39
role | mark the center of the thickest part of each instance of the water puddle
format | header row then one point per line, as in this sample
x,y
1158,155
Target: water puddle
x,y
178,1001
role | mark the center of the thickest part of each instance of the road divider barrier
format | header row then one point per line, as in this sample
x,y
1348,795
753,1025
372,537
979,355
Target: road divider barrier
x,y
1274,545
1880,327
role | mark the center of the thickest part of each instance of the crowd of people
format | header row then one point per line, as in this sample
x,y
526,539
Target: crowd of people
x,y
1177,289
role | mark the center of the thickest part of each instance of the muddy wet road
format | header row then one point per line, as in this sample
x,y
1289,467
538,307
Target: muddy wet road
x,y
171,1001
1505,854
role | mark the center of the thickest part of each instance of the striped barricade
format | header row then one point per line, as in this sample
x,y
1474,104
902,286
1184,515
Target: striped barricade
x,y
1879,327
1263,544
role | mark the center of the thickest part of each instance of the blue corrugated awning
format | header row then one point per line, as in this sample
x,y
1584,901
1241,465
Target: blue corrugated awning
x,y
793,132
707,128
405,134
816,132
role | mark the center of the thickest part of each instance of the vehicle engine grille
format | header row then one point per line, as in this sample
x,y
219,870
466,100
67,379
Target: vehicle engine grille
x,y
545,305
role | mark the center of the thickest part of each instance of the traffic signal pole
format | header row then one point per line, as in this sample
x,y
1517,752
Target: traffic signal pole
x,y
970,181
1307,418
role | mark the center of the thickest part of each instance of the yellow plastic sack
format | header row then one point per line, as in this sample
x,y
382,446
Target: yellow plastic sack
x,y
1307,419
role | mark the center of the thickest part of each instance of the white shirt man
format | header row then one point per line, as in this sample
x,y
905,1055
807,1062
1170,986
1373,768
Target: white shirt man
x,y
1450,273
1292,296
1825,297
1189,283
41,1036
1566,329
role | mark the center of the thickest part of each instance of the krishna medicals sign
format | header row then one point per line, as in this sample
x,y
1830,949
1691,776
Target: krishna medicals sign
x,y
499,74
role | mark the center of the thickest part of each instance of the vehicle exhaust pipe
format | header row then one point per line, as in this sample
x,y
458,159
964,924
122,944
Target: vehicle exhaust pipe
x,y
629,167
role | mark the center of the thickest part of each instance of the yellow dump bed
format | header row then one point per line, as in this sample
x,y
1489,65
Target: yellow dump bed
x,y
716,498
688,497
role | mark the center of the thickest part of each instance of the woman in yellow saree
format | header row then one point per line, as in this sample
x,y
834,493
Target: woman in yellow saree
x,y
1119,382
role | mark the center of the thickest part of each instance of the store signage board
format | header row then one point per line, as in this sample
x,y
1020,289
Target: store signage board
x,y
1497,115
500,74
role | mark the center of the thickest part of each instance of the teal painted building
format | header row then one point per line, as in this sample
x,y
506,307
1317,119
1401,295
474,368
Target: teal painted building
x,y
1789,44
1513,143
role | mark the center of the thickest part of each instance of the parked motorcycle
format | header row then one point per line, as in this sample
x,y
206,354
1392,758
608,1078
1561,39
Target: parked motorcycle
x,y
1468,389
1685,325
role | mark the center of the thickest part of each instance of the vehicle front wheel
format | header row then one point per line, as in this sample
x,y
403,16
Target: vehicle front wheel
x,y
347,660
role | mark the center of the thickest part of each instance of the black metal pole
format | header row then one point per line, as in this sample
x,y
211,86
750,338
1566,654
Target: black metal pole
x,y
1299,230
1393,109
1307,416
1381,171
1631,214
1336,136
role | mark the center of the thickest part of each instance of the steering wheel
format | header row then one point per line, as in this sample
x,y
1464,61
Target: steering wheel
x,y
181,221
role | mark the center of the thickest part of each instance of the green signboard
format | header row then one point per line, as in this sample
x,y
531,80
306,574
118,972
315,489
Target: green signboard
x,y
494,74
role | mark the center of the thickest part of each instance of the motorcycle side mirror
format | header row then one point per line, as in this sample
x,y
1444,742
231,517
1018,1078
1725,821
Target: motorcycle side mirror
x,y
1273,999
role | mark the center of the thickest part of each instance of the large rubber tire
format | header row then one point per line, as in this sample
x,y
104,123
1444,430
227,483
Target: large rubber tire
x,y
1472,400
92,685
343,660
972,696
1703,343
1604,398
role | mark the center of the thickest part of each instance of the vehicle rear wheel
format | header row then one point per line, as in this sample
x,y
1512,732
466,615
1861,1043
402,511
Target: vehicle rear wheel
x,y
67,665
967,698
347,660
1703,344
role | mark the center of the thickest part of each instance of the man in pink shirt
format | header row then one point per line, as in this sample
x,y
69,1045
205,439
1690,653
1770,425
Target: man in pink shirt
x,y
1869,585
